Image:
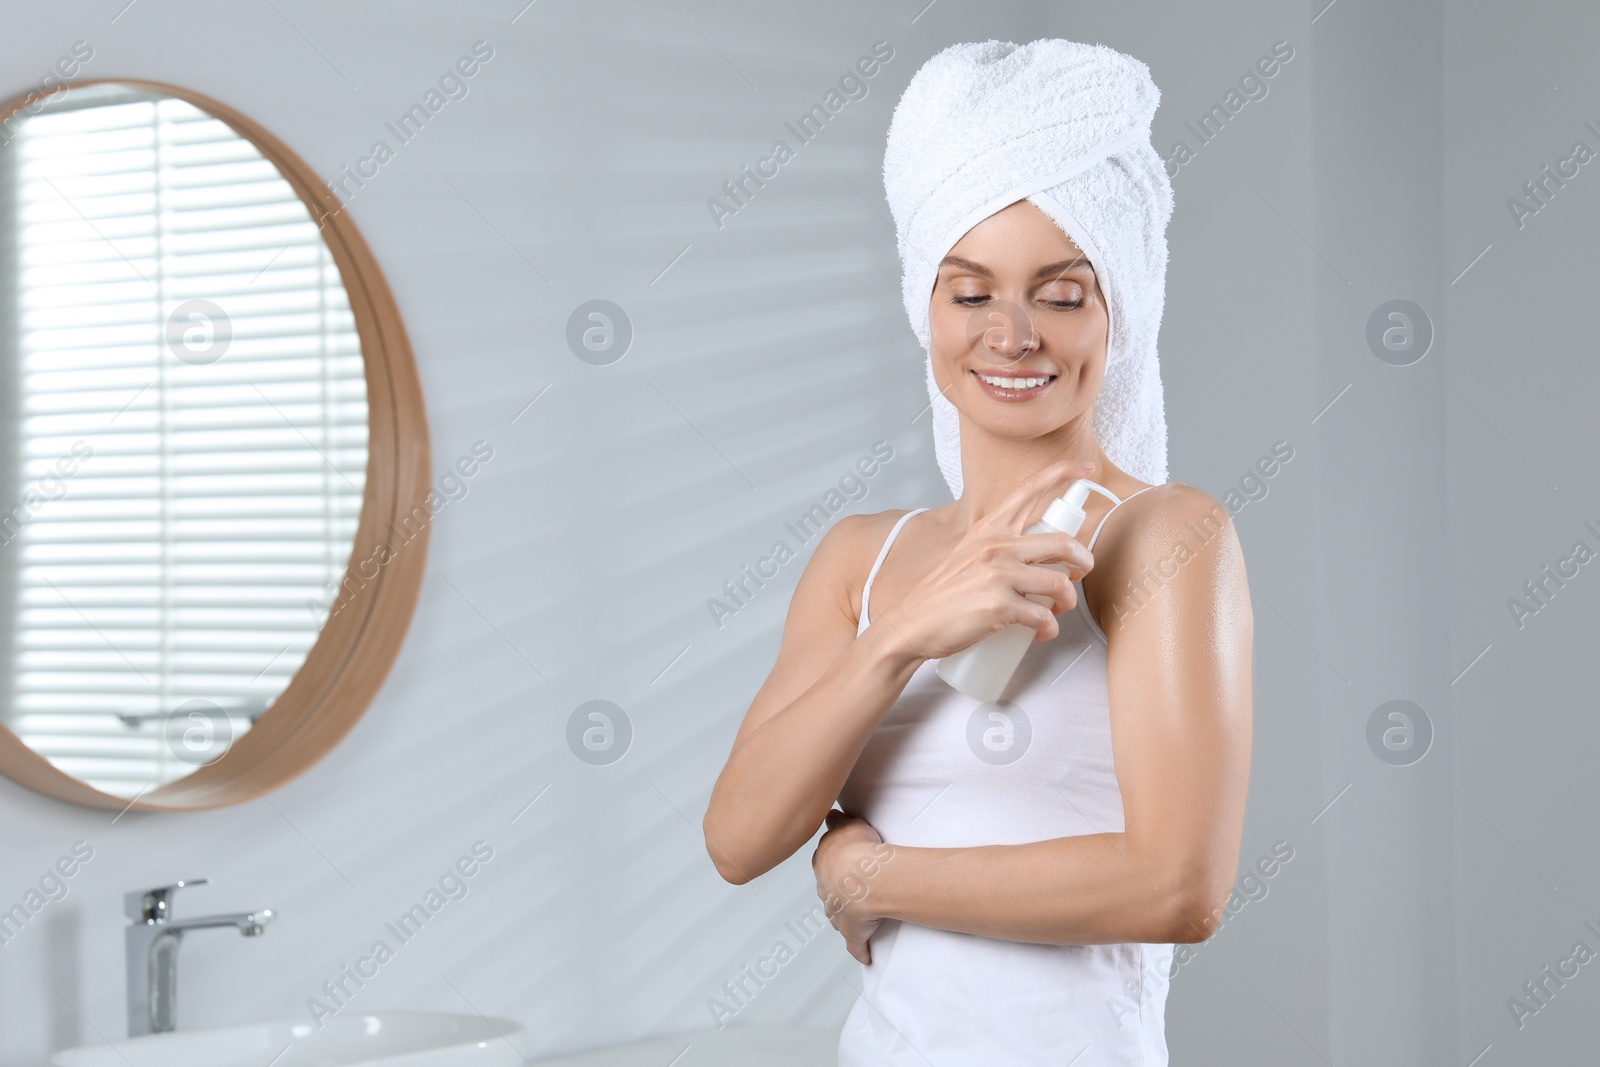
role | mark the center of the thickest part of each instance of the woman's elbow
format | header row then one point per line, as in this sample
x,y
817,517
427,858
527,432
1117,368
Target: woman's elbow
x,y
734,866
1192,924
1194,912
726,868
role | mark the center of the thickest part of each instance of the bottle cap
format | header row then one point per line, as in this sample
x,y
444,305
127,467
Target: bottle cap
x,y
1066,512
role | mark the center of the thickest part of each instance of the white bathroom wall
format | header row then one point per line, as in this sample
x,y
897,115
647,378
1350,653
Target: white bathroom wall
x,y
1521,89
1385,636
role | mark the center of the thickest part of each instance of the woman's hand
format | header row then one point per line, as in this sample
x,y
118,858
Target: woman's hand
x,y
979,587
847,858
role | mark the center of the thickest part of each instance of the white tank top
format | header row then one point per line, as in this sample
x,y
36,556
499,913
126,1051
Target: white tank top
x,y
944,771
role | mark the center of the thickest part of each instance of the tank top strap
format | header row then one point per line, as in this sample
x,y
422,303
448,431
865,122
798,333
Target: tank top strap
x,y
866,590
1107,515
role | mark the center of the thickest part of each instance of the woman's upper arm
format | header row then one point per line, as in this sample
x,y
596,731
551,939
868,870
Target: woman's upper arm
x,y
1177,614
820,623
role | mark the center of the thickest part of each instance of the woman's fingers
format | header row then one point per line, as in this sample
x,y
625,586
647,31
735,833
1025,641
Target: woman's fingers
x,y
1045,581
855,936
1054,548
1016,509
974,590
1045,626
1013,512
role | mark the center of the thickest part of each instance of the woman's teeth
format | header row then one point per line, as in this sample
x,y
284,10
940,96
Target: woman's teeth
x,y
1014,383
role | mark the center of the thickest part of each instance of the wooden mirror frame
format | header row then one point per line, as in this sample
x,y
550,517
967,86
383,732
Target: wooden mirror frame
x,y
359,642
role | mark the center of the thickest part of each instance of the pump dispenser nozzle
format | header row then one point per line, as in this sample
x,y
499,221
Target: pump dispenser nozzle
x,y
1065,512
983,670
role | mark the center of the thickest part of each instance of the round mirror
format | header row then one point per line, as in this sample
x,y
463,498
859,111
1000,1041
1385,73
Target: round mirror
x,y
214,467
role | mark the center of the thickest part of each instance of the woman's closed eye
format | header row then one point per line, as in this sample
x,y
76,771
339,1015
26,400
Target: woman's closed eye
x,y
977,301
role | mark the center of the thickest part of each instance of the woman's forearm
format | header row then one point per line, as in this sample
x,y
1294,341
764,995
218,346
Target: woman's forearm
x,y
1086,890
780,781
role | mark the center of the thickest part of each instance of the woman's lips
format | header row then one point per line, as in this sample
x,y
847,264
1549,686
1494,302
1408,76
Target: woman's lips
x,y
1015,395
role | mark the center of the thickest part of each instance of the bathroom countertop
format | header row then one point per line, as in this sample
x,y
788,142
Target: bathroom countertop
x,y
736,1046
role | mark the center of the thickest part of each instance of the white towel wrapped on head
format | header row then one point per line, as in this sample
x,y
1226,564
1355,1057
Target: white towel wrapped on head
x,y
1065,125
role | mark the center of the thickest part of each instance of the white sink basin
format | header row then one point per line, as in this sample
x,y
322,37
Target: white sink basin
x,y
400,1039
734,1046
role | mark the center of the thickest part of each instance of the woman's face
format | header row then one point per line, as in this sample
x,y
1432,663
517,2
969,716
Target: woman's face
x,y
1018,325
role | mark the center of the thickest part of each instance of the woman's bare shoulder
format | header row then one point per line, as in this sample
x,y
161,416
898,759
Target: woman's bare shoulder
x,y
851,534
856,541
1147,525
843,559
865,530
1174,535
1181,502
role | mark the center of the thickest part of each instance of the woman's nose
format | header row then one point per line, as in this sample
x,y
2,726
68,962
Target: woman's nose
x,y
1002,331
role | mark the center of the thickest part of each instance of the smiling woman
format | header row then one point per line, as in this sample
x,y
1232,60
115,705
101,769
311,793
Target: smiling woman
x,y
191,326
1003,870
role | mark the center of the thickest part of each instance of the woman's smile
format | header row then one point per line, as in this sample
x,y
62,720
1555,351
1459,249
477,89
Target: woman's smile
x,y
1013,387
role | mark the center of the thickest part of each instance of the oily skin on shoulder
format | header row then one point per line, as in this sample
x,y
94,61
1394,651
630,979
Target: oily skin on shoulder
x,y
1015,298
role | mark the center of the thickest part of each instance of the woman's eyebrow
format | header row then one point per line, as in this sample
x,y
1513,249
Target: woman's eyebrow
x,y
1064,266
1049,268
966,264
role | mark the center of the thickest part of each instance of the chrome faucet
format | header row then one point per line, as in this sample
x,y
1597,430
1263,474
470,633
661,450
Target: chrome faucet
x,y
152,941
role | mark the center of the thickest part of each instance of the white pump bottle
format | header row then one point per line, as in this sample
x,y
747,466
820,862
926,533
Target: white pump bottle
x,y
983,670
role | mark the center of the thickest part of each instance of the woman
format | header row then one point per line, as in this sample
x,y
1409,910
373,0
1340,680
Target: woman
x,y
1012,876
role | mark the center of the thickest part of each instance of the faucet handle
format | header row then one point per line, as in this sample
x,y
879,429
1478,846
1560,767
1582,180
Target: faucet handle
x,y
155,905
